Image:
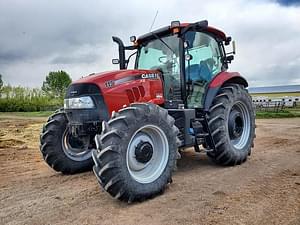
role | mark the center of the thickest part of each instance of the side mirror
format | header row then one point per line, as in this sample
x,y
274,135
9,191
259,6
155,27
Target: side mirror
x,y
133,38
233,47
115,61
228,40
229,58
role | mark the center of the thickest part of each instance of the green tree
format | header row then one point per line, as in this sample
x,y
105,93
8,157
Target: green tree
x,y
56,83
1,82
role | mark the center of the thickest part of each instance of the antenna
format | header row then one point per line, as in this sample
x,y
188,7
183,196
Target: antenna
x,y
153,20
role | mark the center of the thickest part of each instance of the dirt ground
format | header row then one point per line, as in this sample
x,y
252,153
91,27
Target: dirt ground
x,y
264,190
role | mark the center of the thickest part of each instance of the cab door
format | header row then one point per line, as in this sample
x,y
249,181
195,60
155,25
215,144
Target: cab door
x,y
163,55
201,65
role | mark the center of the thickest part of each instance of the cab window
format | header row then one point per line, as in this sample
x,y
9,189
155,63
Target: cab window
x,y
203,63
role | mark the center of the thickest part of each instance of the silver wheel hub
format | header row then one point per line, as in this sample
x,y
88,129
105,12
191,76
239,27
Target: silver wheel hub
x,y
147,154
75,148
239,125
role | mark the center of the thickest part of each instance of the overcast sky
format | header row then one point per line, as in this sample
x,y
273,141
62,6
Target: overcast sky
x,y
38,36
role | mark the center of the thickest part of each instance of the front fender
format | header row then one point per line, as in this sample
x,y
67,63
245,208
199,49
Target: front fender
x,y
220,80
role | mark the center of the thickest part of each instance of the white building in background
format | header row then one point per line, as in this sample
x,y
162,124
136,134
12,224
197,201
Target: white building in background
x,y
289,95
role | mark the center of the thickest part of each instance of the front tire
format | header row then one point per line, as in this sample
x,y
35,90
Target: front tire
x,y
232,125
139,152
61,151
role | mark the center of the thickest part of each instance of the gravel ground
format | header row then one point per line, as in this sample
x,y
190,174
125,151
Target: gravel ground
x,y
264,190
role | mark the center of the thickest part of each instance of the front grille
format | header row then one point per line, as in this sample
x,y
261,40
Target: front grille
x,y
75,90
85,116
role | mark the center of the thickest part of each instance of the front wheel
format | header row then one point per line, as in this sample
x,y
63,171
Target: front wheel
x,y
138,152
232,125
62,151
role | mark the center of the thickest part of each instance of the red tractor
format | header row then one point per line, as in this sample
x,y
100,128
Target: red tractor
x,y
129,125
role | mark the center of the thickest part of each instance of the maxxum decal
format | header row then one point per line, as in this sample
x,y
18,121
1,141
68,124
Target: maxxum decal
x,y
112,83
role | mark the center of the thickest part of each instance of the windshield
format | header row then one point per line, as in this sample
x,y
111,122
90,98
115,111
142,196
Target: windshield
x,y
162,55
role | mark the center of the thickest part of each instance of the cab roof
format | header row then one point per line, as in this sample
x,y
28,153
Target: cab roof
x,y
198,26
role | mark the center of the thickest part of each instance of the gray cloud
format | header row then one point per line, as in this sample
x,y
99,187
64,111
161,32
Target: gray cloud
x,y
7,57
41,36
36,29
289,2
279,74
74,59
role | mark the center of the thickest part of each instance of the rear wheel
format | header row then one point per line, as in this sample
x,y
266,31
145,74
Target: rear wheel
x,y
232,125
139,152
62,151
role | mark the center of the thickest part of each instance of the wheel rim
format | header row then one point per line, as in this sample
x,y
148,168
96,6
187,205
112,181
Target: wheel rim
x,y
75,148
147,169
239,125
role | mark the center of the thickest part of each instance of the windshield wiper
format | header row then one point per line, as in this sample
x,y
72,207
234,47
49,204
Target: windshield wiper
x,y
155,35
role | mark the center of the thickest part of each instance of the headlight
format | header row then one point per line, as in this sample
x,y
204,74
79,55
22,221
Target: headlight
x,y
85,102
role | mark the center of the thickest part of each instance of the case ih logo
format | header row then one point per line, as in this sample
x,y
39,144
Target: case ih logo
x,y
74,92
149,76
109,83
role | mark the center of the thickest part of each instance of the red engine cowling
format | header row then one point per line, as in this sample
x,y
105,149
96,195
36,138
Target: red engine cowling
x,y
123,87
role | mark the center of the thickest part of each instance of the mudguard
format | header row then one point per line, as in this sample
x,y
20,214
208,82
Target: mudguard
x,y
218,81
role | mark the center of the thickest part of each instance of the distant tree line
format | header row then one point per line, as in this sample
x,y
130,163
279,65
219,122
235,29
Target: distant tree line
x,y
47,98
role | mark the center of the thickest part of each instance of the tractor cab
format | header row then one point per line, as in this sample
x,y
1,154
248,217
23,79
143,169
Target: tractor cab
x,y
188,56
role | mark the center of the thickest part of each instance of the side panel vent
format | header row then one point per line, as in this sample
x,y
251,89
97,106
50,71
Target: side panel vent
x,y
142,91
136,93
130,95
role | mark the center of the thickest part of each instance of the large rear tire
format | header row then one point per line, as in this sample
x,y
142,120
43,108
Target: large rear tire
x,y
139,152
232,125
61,151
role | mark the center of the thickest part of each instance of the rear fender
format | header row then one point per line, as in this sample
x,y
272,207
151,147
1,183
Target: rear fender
x,y
220,80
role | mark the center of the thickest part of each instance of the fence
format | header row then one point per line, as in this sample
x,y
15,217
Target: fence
x,y
270,106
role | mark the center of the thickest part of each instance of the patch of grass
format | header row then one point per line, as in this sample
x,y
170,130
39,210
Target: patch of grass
x,y
283,114
27,114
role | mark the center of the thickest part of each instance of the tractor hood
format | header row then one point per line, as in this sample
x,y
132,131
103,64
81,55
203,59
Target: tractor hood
x,y
123,87
107,80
